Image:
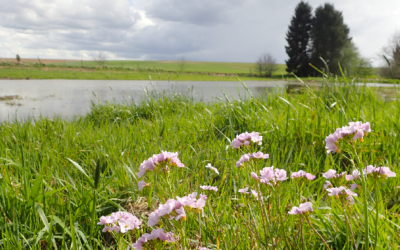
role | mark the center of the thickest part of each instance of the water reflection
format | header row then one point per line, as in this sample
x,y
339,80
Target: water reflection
x,y
68,98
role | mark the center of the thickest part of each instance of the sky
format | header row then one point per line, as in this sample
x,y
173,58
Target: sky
x,y
198,30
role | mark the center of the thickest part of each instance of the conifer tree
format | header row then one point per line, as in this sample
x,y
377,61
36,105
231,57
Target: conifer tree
x,y
330,36
298,37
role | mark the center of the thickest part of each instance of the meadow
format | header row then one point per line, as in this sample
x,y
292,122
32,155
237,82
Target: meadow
x,y
156,70
58,178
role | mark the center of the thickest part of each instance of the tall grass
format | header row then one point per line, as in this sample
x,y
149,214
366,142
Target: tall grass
x,y
50,202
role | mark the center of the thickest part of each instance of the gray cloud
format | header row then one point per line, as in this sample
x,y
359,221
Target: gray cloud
x,y
208,30
204,13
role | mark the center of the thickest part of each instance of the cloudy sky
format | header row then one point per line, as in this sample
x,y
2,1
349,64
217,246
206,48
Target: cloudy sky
x,y
204,30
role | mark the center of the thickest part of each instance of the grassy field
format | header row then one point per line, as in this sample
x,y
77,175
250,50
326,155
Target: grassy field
x,y
50,202
143,70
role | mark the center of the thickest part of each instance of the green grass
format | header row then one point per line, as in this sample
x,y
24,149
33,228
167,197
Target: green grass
x,y
46,202
190,66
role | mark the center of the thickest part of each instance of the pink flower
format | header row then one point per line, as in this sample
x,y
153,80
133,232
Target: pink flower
x,y
254,193
119,222
355,130
302,209
259,155
243,159
255,176
382,172
142,184
327,184
246,138
209,188
342,191
354,176
156,234
212,168
302,174
163,159
332,174
244,190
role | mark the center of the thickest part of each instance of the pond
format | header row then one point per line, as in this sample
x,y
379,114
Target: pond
x,y
20,99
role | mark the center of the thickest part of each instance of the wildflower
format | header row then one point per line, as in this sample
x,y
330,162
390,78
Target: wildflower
x,y
302,174
244,190
156,234
332,174
209,188
327,184
355,130
382,172
203,248
142,184
342,192
254,193
303,208
119,222
212,168
162,160
247,157
175,208
246,138
270,176
354,176
243,159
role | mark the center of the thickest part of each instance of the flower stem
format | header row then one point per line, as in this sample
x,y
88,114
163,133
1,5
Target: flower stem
x,y
376,214
309,223
348,222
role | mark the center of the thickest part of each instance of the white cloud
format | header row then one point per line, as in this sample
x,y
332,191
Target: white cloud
x,y
209,30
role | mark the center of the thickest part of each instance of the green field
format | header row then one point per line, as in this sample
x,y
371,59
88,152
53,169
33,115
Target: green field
x,y
189,66
157,70
49,202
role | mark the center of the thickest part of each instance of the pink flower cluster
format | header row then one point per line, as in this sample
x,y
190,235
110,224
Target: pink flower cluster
x,y
356,130
383,172
270,176
210,188
154,235
302,209
331,174
246,138
175,208
163,159
353,176
302,174
342,191
119,222
246,157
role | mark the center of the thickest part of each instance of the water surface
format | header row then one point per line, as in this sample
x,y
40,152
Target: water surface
x,y
20,99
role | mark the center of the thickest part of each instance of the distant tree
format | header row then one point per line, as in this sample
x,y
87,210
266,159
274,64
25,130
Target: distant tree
x,y
298,39
391,56
182,65
330,36
352,63
100,59
266,65
18,59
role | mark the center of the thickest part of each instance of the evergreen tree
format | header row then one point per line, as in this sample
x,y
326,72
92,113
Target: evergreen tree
x,y
298,37
330,37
